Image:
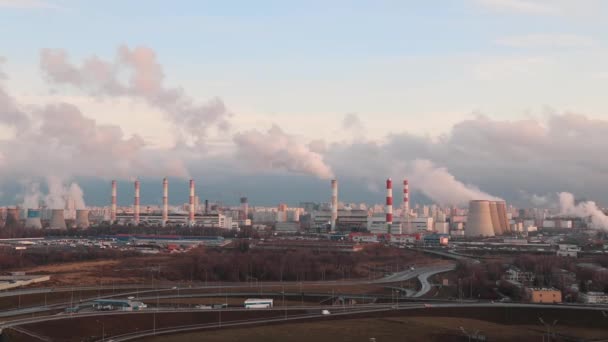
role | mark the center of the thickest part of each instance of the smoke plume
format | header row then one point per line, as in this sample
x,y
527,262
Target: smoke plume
x,y
144,80
275,149
441,186
586,210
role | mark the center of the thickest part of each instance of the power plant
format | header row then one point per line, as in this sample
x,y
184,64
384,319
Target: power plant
x,y
57,219
487,218
33,219
82,218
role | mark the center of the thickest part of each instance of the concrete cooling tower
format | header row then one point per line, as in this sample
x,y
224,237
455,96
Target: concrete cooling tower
x,y
479,220
12,216
501,206
57,219
82,218
33,219
494,217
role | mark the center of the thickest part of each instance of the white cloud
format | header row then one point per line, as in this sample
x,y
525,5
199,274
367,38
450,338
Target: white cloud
x,y
504,68
27,4
521,6
547,40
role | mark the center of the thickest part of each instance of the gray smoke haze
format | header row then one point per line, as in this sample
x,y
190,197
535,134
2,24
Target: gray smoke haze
x,y
275,149
59,194
145,80
587,210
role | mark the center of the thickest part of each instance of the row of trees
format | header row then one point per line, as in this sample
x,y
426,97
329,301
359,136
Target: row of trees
x,y
245,264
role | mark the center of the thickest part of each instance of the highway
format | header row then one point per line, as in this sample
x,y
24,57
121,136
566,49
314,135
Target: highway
x,y
425,286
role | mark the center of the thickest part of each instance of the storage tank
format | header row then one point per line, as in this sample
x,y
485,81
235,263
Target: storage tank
x,y
82,218
33,219
479,220
496,227
57,219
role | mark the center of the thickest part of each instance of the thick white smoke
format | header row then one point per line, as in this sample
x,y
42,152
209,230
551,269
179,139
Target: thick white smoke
x,y
144,80
275,149
60,194
586,210
441,186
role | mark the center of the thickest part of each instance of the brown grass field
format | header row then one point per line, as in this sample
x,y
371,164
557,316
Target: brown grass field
x,y
430,324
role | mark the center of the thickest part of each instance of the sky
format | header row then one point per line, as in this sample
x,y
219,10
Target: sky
x,y
271,99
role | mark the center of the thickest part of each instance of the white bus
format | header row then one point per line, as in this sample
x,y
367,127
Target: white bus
x,y
256,303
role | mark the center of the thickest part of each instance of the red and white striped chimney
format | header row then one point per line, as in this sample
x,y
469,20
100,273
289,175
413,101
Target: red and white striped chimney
x,y
334,204
113,206
191,203
165,201
389,205
406,198
136,204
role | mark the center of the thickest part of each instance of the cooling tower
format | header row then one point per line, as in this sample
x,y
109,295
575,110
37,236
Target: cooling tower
x,y
82,218
57,219
502,216
494,217
12,216
33,219
479,220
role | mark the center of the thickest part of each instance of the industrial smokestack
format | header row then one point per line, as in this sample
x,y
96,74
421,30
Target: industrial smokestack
x,y
406,198
244,208
33,219
191,204
12,217
206,207
82,218
389,205
334,204
165,201
113,207
57,219
136,204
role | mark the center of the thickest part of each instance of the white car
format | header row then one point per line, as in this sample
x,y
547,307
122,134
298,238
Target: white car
x,y
325,312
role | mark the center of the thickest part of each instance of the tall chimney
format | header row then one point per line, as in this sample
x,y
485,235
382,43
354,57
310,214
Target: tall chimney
x,y
165,201
406,198
389,205
191,204
113,207
136,204
334,204
206,207
244,208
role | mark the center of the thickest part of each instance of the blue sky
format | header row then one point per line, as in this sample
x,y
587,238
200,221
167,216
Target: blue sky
x,y
402,67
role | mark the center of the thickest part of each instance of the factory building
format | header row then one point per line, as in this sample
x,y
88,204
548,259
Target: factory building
x,y
376,223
